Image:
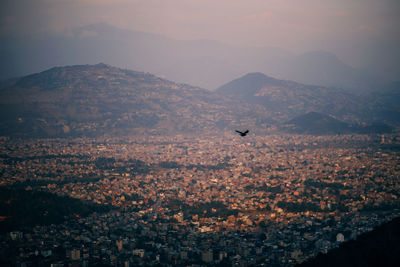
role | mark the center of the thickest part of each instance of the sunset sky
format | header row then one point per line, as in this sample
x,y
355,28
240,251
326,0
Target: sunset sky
x,y
361,32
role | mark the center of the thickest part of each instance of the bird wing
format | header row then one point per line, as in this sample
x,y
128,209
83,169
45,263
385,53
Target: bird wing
x,y
238,131
247,131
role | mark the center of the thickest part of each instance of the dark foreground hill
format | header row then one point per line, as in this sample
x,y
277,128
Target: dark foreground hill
x,y
380,247
93,100
20,209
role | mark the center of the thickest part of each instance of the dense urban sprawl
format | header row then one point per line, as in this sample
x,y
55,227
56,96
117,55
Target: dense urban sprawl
x,y
271,200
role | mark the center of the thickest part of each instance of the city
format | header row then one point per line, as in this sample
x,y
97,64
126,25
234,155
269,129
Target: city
x,y
272,200
199,133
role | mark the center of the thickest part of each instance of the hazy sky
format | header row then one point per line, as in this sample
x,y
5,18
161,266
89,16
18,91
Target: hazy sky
x,y
358,31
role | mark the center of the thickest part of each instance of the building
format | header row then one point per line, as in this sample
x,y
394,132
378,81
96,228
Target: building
x,y
207,256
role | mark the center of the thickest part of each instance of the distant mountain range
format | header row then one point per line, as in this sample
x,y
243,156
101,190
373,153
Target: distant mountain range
x,y
203,63
93,100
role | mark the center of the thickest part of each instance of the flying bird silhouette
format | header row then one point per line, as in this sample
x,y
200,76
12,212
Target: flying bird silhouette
x,y
242,133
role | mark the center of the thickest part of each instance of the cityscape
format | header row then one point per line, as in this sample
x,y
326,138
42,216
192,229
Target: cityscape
x,y
273,200
199,133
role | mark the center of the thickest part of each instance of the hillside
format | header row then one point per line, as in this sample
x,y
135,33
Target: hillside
x,y
316,123
96,100
39,208
386,102
379,247
93,100
288,99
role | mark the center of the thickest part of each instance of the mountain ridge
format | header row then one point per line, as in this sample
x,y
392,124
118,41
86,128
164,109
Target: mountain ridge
x,y
315,123
93,100
207,64
288,99
100,99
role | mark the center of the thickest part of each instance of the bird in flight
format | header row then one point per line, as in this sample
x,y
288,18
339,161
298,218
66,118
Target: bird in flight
x,y
242,133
